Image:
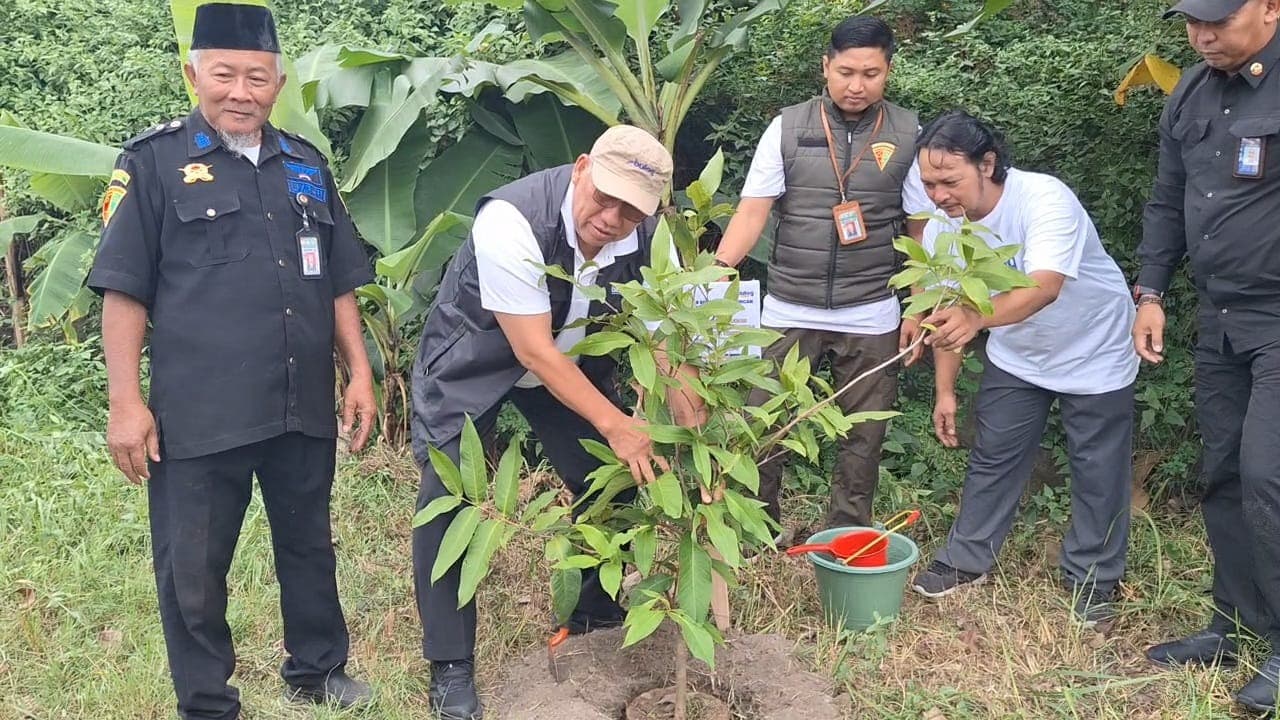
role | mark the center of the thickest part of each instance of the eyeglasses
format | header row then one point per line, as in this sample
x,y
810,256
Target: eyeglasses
x,y
629,213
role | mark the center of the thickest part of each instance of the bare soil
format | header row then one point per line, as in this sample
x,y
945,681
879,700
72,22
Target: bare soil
x,y
593,678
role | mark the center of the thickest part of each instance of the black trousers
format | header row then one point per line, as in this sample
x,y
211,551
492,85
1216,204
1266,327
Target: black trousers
x,y
1238,410
197,507
449,633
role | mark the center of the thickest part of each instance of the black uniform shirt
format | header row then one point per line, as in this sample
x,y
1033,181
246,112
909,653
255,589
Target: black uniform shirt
x,y
1209,206
242,339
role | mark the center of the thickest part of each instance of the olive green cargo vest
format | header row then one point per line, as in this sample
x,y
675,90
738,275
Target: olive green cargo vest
x,y
808,265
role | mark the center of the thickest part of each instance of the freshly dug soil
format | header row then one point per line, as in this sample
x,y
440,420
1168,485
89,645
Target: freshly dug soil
x,y
657,704
593,678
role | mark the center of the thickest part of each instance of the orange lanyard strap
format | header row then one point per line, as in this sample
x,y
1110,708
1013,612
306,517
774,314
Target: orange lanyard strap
x,y
831,148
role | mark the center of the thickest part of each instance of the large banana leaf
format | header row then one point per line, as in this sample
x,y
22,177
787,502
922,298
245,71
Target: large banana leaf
x,y
458,177
734,30
326,83
640,16
396,104
565,75
67,260
552,133
71,193
41,152
290,112
438,243
382,206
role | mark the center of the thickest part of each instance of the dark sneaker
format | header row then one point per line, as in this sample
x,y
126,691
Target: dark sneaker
x,y
1260,694
453,690
1207,647
1094,606
337,689
940,580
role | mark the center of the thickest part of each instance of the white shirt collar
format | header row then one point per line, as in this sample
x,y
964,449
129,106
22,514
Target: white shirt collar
x,y
608,253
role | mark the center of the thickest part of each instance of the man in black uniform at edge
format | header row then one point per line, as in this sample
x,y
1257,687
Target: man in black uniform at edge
x,y
1217,201
229,236
499,331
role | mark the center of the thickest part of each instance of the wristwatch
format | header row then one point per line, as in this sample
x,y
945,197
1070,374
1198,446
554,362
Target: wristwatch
x,y
723,264
1143,295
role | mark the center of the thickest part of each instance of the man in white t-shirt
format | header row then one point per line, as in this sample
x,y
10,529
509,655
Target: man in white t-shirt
x,y
1065,339
838,170
499,330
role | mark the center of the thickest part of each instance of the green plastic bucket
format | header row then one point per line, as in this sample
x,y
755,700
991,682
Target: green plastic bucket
x,y
854,597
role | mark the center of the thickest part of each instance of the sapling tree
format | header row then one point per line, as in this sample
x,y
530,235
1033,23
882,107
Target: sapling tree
x,y
699,518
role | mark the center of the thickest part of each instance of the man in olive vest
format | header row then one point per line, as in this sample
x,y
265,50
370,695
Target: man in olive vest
x,y
840,170
499,331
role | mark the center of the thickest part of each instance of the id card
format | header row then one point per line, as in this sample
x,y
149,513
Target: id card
x,y
1249,158
309,253
850,226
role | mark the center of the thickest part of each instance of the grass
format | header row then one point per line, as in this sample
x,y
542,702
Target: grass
x,y
80,636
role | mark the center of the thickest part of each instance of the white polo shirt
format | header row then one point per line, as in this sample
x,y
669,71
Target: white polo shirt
x,y
767,179
1079,344
507,260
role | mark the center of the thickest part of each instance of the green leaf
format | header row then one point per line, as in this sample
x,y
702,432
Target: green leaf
x,y
382,205
475,565
722,536
640,16
693,583
977,293
465,172
669,434
643,547
611,578
643,365
448,472
432,250
596,539
712,173
566,75
553,133
393,108
750,515
21,225
471,466
506,483
55,288
989,8
566,586
40,152
601,343
696,637
667,494
69,193
578,562
539,504
325,83
436,508
455,541
746,472
702,462
641,622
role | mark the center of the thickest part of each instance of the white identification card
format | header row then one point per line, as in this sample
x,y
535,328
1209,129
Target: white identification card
x,y
1249,158
309,250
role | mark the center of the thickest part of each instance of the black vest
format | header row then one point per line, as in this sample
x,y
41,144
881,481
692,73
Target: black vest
x,y
465,365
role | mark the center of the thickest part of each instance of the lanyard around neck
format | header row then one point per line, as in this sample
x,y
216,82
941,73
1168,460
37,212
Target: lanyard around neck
x,y
831,148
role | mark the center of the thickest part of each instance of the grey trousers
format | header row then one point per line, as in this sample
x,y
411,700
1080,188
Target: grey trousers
x,y
1011,416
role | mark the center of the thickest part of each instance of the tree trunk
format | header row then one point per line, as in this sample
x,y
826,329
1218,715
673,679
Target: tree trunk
x,y
682,679
13,279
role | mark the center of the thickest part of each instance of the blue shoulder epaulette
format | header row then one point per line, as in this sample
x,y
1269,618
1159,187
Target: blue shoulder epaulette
x,y
156,130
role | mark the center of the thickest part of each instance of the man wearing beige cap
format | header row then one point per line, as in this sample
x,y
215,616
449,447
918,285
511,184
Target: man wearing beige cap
x,y
499,331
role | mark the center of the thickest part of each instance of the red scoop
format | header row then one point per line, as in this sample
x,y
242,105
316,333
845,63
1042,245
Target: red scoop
x,y
843,545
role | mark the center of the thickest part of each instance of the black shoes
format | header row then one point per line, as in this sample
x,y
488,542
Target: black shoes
x,y
1207,647
453,690
337,689
1260,694
940,580
1093,605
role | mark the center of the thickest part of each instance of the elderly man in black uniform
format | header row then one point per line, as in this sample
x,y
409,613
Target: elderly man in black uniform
x,y
1217,201
499,331
229,236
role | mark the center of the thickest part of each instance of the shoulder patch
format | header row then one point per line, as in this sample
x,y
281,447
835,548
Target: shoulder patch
x,y
295,140
156,130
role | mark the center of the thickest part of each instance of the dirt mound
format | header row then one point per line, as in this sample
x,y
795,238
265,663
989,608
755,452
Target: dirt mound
x,y
593,678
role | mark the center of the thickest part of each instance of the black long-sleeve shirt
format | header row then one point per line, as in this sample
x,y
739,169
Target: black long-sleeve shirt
x,y
1207,206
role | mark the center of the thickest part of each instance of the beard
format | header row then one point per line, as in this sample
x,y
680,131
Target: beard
x,y
239,142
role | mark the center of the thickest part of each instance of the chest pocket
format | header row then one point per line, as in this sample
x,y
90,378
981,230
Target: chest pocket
x,y
1266,129
210,230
